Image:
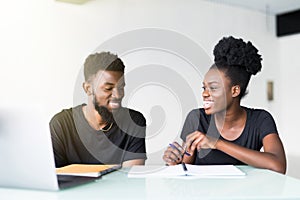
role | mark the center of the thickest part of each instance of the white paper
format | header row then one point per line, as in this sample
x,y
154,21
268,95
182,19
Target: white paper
x,y
176,171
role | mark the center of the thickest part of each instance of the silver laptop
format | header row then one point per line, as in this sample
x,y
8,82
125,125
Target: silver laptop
x,y
26,154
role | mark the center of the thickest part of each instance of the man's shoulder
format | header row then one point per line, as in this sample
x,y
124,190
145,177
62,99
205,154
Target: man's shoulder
x,y
132,112
126,114
64,114
135,112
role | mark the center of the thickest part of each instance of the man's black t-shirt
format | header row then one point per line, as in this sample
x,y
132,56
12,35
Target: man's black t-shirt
x,y
259,124
75,141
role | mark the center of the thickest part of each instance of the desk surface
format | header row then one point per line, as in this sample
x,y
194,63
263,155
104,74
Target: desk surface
x,y
257,184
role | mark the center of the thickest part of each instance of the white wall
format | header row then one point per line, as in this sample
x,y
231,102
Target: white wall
x,y
44,44
289,92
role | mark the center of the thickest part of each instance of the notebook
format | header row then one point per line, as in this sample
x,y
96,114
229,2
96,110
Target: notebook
x,y
90,170
26,153
187,170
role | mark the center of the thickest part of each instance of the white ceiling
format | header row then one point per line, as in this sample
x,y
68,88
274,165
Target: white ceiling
x,y
271,7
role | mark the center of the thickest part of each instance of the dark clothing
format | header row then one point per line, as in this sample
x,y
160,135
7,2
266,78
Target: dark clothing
x,y
259,124
75,141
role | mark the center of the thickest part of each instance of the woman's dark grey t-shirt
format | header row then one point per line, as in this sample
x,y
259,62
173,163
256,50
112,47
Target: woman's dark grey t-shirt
x,y
259,124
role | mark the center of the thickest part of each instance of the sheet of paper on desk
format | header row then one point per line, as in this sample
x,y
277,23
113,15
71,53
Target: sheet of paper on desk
x,y
197,171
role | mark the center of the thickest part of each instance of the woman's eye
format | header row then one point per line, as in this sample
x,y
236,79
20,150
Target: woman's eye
x,y
210,88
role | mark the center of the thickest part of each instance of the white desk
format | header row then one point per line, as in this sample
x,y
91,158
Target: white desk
x,y
258,184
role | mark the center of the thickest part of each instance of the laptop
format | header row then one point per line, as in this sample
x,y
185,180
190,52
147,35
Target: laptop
x,y
26,154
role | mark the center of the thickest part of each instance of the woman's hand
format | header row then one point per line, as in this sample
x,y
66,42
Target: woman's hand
x,y
198,140
174,154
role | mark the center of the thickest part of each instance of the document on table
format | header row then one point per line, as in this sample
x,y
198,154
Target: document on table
x,y
200,171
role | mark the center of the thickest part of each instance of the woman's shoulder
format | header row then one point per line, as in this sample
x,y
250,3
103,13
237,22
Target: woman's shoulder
x,y
198,113
258,113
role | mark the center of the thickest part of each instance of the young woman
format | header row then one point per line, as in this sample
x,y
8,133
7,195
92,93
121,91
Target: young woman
x,y
223,131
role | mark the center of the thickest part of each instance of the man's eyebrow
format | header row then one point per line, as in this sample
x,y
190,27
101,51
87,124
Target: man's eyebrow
x,y
112,84
108,83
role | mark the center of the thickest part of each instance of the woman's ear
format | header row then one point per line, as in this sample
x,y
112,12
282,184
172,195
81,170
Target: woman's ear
x,y
87,88
235,90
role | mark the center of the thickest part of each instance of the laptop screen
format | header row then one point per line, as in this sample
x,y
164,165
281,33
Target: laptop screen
x,y
26,154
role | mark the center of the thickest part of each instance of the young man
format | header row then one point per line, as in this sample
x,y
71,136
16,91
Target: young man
x,y
101,131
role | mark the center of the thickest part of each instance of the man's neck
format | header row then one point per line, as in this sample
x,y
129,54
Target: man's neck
x,y
94,119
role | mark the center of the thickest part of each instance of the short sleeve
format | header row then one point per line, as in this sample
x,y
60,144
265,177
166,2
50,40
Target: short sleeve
x,y
267,124
191,123
56,131
136,145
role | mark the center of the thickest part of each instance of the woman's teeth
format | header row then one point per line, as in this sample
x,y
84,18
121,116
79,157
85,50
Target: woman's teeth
x,y
207,104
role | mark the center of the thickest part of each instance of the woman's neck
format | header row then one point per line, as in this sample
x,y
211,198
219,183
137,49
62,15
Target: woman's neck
x,y
232,123
230,116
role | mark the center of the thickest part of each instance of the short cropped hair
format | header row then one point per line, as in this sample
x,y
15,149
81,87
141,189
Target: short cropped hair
x,y
102,61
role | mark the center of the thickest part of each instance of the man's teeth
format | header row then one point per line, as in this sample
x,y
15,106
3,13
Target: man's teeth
x,y
114,104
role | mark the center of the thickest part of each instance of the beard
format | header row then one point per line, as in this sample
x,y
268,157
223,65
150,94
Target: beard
x,y
106,115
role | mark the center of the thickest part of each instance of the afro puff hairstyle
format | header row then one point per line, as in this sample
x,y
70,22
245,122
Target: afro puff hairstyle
x,y
238,60
235,52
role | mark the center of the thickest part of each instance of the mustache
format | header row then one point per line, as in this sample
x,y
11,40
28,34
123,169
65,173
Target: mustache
x,y
116,100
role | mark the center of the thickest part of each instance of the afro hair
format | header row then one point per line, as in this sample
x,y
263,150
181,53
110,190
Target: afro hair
x,y
235,52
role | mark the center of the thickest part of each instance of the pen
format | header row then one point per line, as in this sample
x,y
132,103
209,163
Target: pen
x,y
174,147
184,168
